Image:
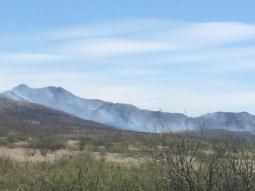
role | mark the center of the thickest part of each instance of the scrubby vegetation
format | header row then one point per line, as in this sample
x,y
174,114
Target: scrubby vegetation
x,y
174,162
197,165
76,173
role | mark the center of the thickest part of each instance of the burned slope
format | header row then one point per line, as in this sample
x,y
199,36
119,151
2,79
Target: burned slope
x,y
27,117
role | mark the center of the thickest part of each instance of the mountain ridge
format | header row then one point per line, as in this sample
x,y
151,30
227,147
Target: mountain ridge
x,y
126,116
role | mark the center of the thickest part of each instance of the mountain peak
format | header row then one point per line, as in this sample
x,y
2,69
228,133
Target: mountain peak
x,y
58,90
21,86
53,89
33,94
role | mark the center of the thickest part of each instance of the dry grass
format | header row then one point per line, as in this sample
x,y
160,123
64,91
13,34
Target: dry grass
x,y
21,154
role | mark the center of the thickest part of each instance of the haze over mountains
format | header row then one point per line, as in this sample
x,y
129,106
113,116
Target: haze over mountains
x,y
26,117
127,117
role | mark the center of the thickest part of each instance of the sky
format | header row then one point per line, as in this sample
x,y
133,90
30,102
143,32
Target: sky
x,y
191,56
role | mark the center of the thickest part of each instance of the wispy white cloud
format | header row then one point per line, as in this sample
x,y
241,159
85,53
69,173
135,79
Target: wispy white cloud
x,y
98,48
136,37
209,33
110,29
172,38
28,58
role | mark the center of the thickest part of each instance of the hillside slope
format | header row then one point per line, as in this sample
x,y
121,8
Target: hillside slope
x,y
29,117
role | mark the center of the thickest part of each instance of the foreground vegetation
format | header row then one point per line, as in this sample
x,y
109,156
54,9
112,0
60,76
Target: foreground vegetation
x,y
167,162
82,172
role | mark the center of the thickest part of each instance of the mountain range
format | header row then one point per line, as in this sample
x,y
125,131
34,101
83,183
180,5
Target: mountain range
x,y
125,116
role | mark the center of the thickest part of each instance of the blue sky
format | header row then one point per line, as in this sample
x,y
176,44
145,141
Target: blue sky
x,y
194,55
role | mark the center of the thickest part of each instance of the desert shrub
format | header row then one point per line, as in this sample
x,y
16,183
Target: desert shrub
x,y
180,165
47,143
14,136
3,141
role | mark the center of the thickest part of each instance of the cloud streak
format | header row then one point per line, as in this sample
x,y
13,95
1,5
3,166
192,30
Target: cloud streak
x,y
175,39
138,37
28,58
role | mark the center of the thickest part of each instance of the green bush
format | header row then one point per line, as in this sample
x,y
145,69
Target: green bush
x,y
47,143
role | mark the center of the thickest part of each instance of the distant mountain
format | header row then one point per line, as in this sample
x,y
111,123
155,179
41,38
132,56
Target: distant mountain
x,y
29,117
126,116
